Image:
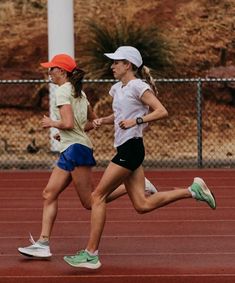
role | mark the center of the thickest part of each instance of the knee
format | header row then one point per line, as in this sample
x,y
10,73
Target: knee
x,y
84,193
47,195
141,208
86,204
96,198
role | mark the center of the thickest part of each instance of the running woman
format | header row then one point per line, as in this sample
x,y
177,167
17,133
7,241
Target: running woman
x,y
132,99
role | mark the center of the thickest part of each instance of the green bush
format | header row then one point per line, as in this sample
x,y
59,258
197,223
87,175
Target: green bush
x,y
104,39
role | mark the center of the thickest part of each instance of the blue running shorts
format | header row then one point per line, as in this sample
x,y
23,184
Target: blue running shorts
x,y
76,155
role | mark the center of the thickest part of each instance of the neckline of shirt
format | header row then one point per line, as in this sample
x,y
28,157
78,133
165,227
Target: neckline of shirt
x,y
122,85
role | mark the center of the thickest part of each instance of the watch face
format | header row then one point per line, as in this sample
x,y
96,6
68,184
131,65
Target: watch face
x,y
139,120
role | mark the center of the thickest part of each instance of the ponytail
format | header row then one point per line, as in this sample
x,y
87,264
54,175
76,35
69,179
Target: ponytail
x,y
144,73
75,78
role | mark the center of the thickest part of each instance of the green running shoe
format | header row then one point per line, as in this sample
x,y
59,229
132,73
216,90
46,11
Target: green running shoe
x,y
202,193
83,259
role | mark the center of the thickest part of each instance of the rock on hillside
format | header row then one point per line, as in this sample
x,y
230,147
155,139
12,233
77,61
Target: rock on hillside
x,y
197,30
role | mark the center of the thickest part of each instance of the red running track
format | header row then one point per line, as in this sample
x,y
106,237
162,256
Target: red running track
x,y
180,243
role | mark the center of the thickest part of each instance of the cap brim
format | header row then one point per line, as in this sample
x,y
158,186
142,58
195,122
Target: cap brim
x,y
47,65
114,56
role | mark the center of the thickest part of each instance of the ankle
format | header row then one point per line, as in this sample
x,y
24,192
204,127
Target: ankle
x,y
43,239
191,192
94,253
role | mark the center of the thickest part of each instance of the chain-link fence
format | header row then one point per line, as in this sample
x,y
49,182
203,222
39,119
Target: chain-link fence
x,y
199,131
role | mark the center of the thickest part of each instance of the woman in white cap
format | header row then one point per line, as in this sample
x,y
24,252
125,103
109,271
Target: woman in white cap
x,y
73,113
132,99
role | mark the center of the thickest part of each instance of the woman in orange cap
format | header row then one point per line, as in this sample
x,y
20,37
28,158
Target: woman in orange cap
x,y
72,111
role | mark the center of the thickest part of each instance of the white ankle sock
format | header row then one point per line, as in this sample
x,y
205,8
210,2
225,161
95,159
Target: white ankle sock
x,y
95,253
43,242
192,193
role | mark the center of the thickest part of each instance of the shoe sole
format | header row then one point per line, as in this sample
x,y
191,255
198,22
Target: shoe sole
x,y
33,255
206,191
85,264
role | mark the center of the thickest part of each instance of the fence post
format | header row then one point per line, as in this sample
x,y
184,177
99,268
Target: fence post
x,y
199,123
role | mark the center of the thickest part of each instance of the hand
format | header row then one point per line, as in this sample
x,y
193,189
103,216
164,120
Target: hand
x,y
97,123
46,122
126,124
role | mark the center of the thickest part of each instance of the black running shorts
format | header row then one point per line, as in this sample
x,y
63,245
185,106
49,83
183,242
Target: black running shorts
x,y
131,154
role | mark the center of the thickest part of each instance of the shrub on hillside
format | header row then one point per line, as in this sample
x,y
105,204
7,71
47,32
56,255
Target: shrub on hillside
x,y
104,39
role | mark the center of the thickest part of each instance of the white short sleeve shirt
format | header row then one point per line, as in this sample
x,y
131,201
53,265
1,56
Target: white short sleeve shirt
x,y
127,104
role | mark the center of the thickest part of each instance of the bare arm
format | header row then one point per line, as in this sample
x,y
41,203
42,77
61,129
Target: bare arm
x,y
65,123
91,115
158,110
108,120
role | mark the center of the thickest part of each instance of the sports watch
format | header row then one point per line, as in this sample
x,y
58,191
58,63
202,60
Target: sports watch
x,y
139,120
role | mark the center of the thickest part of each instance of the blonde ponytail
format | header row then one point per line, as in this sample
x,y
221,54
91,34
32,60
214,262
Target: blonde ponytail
x,y
146,75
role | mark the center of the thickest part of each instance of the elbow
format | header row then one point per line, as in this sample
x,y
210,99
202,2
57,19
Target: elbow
x,y
69,126
165,113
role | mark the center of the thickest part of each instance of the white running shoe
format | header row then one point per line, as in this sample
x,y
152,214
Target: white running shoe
x,y
149,187
37,249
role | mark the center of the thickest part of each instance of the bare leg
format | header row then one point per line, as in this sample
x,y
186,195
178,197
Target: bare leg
x,y
112,178
118,192
134,185
149,189
134,182
82,180
58,181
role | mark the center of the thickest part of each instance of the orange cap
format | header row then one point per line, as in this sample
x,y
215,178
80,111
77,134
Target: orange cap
x,y
62,61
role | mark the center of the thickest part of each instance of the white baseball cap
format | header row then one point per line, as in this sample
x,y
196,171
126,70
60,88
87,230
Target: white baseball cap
x,y
128,53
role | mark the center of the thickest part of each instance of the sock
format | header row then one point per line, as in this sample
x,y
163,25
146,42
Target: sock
x,y
95,253
192,193
43,242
